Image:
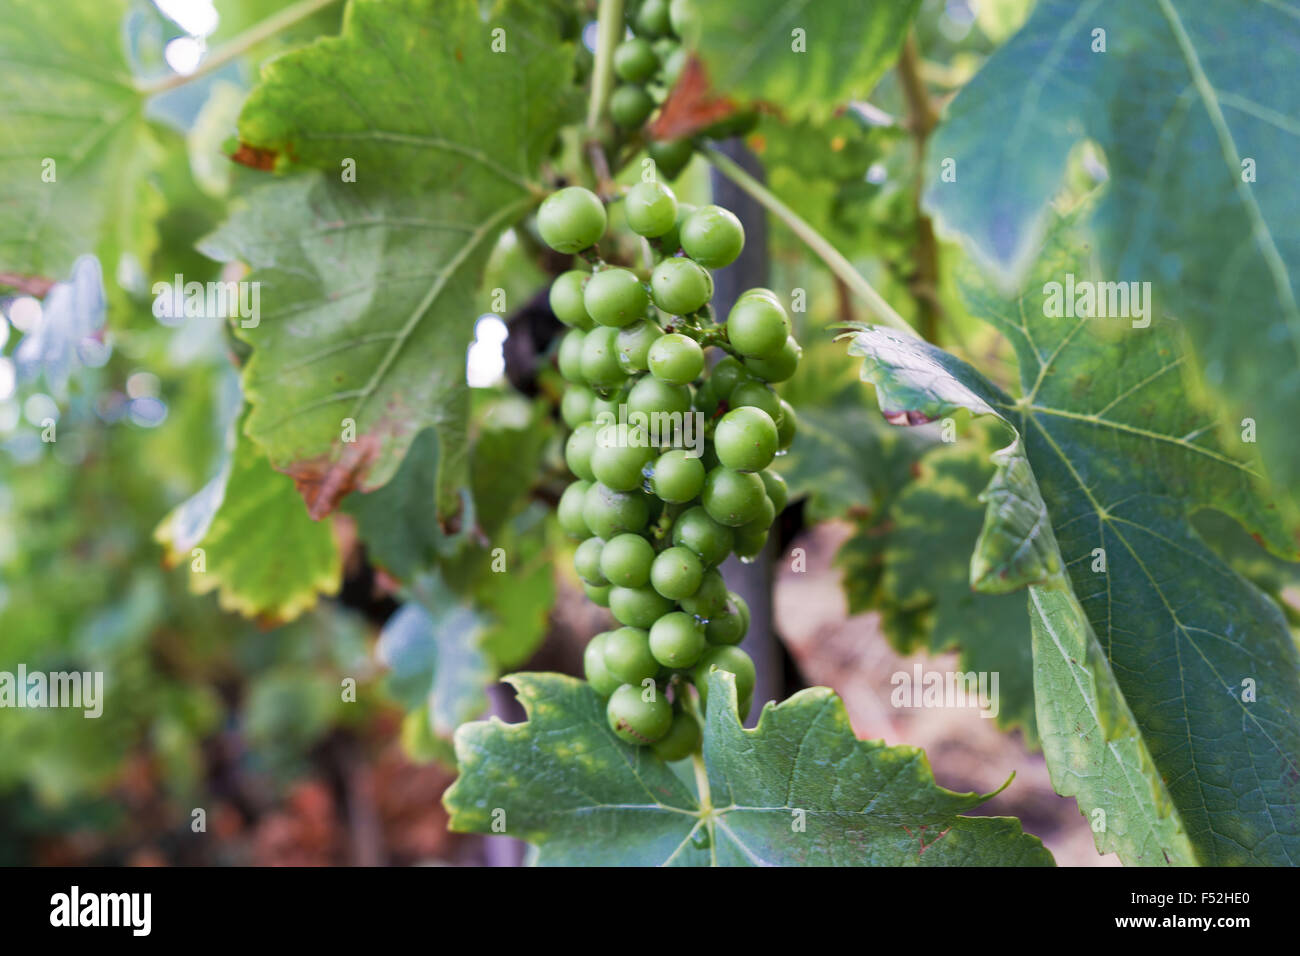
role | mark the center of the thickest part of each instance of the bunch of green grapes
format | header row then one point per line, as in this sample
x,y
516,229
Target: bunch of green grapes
x,y
656,519
647,65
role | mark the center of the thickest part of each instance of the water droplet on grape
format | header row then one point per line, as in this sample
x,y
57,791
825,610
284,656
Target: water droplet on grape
x,y
783,452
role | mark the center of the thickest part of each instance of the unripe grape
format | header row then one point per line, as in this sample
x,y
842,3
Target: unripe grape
x,y
630,105
676,573
618,456
635,60
682,739
732,497
634,719
625,560
757,395
778,367
608,512
745,439
565,298
615,297
709,599
676,358
671,241
653,19
571,219
787,426
653,396
570,509
726,375
604,411
651,209
677,640
597,593
569,357
680,286
757,327
575,407
593,667
778,492
600,358
676,477
674,63
578,450
627,655
725,658
671,155
683,16
638,607
709,540
751,539
712,236
586,561
634,345
727,627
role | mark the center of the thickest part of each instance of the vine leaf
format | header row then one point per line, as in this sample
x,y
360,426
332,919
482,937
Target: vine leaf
x,y
78,149
807,58
262,554
1187,105
1140,661
369,286
799,789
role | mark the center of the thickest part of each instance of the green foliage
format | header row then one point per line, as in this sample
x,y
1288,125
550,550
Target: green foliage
x,y
799,789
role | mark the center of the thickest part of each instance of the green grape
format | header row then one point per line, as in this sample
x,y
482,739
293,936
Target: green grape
x,y
760,292
732,497
674,63
676,477
575,407
677,640
615,297
653,19
569,511
709,540
725,658
593,667
682,739
676,359
751,539
586,561
638,607
743,607
676,573
725,376
569,357
683,16
619,455
745,439
671,241
786,427
597,593
663,46
625,560
578,450
627,655
608,512
638,721
652,396
604,411
680,286
651,209
566,298
757,395
705,402
634,343
727,627
710,597
778,492
630,106
571,220
779,367
671,155
712,236
600,358
635,60
757,327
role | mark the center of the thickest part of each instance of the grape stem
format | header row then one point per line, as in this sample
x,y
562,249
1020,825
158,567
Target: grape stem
x,y
609,31
237,46
815,241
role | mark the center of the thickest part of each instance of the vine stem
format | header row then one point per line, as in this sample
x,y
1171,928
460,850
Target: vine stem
x,y
609,31
815,241
238,46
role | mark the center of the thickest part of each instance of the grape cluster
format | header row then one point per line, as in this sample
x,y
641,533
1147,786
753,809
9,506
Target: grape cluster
x,y
655,519
647,65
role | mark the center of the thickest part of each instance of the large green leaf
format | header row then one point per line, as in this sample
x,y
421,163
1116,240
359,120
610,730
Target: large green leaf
x,y
799,789
369,287
752,50
1138,679
261,552
1184,94
67,96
